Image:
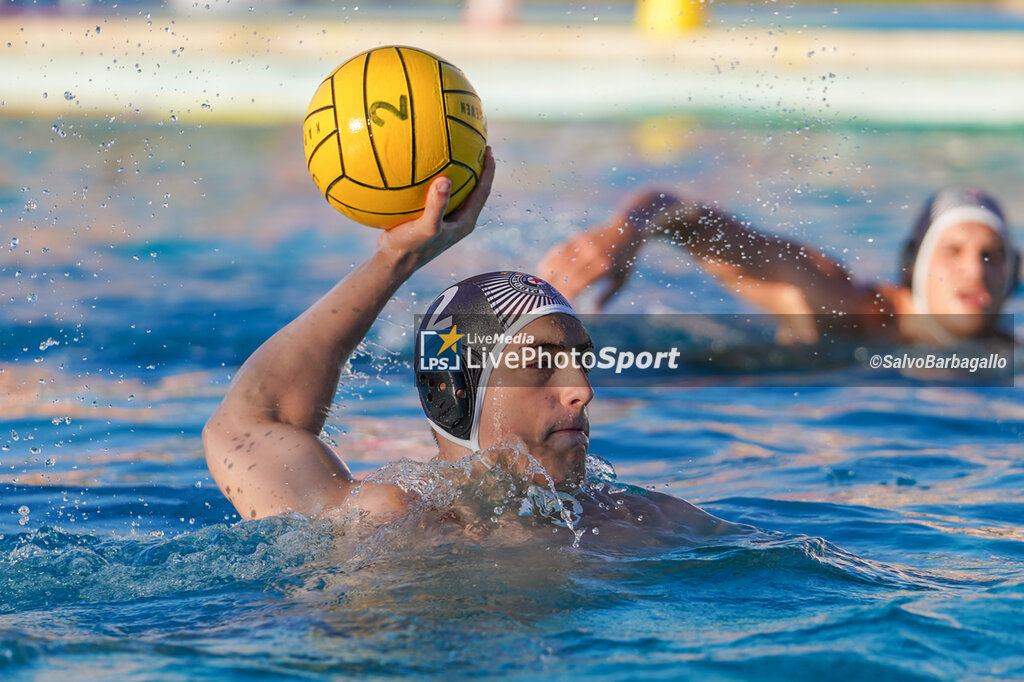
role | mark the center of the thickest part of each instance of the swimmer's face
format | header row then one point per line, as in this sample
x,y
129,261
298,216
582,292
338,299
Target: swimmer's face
x,y
967,277
540,407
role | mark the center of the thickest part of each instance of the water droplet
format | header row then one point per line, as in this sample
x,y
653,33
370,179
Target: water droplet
x,y
23,510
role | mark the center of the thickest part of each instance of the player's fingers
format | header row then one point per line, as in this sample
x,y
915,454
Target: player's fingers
x,y
438,195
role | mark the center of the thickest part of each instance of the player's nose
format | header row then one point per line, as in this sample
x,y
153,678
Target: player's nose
x,y
577,391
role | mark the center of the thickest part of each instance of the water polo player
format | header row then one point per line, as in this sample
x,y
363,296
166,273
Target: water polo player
x,y
263,446
958,266
505,312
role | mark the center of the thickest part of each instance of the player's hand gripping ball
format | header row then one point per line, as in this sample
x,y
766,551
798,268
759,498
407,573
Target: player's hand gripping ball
x,y
387,122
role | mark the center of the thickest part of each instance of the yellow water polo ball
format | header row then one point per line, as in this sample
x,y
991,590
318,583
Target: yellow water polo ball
x,y
387,122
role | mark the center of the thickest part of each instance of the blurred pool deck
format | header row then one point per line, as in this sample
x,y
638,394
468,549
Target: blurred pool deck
x,y
261,67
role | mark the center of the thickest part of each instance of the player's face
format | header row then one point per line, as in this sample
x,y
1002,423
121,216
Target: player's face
x,y
967,277
542,407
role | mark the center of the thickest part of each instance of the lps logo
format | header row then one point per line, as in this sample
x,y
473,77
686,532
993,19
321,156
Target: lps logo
x,y
440,352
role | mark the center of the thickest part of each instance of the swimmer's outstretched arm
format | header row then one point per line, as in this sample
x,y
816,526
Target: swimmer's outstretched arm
x,y
262,444
780,275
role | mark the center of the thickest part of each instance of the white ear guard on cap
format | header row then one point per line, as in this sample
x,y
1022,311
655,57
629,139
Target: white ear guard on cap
x,y
485,373
496,305
930,242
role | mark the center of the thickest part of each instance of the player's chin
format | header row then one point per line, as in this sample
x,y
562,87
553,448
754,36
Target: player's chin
x,y
570,466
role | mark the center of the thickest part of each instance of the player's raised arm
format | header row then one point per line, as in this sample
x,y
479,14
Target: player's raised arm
x,y
262,444
782,276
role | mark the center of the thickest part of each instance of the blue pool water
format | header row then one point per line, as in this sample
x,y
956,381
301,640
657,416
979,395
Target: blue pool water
x,y
138,268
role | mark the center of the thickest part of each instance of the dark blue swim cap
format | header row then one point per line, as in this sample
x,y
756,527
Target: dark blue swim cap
x,y
947,207
490,309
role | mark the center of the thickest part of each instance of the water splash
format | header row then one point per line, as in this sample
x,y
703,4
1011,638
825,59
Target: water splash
x,y
49,566
499,493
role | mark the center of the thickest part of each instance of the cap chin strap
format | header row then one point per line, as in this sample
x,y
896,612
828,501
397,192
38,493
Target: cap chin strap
x,y
942,224
473,442
463,442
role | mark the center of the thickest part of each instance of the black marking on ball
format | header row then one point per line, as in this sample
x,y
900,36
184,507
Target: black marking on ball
x,y
369,120
317,111
463,123
412,116
444,103
402,112
337,127
369,212
309,161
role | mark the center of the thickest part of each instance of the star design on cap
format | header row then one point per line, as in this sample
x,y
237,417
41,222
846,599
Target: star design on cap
x,y
450,339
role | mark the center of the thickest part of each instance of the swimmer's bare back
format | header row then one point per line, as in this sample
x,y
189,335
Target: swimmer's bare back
x,y
600,513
